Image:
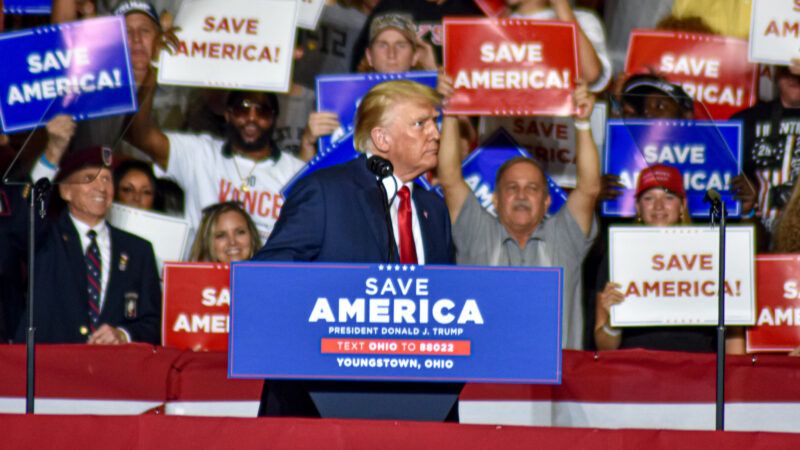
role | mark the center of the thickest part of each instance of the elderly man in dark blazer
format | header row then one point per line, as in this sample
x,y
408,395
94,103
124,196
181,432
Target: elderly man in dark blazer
x,y
94,283
342,214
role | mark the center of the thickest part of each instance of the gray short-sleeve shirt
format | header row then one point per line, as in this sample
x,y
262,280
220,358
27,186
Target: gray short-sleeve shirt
x,y
558,241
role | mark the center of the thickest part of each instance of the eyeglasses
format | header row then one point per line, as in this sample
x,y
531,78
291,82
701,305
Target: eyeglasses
x,y
242,109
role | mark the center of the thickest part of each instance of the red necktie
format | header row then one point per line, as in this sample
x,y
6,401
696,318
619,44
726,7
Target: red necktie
x,y
408,252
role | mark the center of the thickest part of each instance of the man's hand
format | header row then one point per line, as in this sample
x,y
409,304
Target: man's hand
x,y
320,124
107,335
611,187
583,101
794,66
426,57
60,130
745,191
444,86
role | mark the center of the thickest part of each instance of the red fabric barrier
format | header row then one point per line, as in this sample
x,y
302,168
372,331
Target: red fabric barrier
x,y
81,432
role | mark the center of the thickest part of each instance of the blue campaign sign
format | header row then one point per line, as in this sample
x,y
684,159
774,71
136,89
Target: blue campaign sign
x,y
392,322
480,170
342,94
40,7
79,68
707,153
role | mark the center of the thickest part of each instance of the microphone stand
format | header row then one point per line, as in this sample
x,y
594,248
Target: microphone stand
x,y
718,210
388,219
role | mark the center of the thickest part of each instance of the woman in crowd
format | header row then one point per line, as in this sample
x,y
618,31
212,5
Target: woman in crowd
x,y
226,234
135,184
660,201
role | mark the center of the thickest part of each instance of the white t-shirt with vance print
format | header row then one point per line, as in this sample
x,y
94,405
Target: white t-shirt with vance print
x,y
207,177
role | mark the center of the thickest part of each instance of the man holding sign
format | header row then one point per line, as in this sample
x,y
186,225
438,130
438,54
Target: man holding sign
x,y
521,235
248,166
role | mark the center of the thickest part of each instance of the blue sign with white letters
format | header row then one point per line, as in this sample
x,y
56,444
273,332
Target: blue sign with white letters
x,y
80,68
708,155
395,322
39,7
480,170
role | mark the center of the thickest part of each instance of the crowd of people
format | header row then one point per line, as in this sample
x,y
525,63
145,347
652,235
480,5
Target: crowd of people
x,y
219,159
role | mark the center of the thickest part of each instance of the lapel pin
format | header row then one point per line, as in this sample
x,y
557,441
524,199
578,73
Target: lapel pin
x,y
123,262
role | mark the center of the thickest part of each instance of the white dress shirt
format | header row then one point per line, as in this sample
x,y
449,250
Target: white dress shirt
x,y
392,185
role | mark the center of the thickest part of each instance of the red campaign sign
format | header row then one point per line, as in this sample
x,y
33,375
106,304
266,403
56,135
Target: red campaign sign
x,y
712,69
492,8
196,306
510,67
778,292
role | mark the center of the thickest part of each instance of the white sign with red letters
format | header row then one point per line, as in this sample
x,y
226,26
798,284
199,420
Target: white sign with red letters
x,y
774,31
236,44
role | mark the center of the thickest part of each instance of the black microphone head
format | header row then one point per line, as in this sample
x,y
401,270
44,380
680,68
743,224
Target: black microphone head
x,y
381,167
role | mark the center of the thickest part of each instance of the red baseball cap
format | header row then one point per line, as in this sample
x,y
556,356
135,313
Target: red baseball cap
x,y
660,176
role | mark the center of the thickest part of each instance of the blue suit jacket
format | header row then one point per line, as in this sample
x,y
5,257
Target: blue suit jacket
x,y
132,298
336,215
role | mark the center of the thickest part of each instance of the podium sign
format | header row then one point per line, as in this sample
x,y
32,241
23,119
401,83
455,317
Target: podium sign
x,y
393,322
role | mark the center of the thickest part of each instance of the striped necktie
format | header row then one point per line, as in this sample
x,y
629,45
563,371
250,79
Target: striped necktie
x,y
94,270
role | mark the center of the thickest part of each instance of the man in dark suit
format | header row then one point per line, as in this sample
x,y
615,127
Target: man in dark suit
x,y
95,283
340,215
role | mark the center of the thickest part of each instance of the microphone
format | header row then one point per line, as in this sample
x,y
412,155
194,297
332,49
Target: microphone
x,y
381,167
712,196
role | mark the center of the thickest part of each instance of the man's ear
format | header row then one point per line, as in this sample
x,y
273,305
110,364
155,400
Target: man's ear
x,y
227,115
368,55
65,192
494,199
547,203
380,140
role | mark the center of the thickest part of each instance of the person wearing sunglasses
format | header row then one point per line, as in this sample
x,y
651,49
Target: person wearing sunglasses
x,y
246,166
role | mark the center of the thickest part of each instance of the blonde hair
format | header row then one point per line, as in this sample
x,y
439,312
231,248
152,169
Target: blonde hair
x,y
203,245
380,99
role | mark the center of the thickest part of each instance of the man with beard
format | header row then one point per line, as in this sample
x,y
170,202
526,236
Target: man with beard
x,y
247,166
522,234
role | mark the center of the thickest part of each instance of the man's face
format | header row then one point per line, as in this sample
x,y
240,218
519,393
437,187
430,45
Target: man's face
x,y
410,140
789,89
391,52
250,122
143,35
88,193
521,197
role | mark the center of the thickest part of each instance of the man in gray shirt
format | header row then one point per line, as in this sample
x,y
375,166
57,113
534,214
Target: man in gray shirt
x,y
521,235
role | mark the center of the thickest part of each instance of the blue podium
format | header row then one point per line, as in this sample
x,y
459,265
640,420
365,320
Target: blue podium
x,y
393,341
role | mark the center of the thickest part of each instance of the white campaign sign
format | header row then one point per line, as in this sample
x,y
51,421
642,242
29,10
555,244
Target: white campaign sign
x,y
774,31
670,274
308,13
549,139
167,234
235,44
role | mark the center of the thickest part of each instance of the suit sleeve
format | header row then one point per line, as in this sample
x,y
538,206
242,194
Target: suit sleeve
x,y
146,327
298,235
